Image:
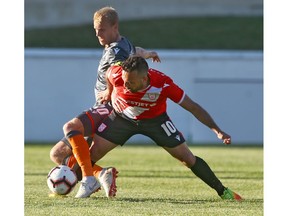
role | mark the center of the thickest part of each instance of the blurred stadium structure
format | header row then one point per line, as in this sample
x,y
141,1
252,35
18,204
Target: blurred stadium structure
x,y
229,84
43,13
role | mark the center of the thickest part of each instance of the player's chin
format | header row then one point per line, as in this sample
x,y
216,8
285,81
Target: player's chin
x,y
102,42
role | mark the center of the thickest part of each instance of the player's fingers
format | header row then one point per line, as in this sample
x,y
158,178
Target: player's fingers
x,y
156,59
227,141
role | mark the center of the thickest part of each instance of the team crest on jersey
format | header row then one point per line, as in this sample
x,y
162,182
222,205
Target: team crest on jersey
x,y
102,127
151,97
152,94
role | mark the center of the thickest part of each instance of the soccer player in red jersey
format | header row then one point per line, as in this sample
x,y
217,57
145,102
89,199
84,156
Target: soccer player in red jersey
x,y
139,96
117,48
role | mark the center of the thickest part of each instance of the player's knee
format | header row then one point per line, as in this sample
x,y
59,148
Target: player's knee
x,y
74,124
67,127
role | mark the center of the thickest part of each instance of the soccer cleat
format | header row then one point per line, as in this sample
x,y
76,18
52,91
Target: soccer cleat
x,y
230,195
107,179
89,185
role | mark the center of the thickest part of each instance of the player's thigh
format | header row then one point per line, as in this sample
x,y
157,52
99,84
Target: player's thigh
x,y
116,129
162,131
182,153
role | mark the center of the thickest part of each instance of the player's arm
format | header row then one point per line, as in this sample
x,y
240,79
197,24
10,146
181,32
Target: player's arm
x,y
204,117
148,54
109,84
105,96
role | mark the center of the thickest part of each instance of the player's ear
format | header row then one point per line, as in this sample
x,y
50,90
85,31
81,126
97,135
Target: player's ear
x,y
116,27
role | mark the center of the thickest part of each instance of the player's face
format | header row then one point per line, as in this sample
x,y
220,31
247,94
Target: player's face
x,y
105,33
133,81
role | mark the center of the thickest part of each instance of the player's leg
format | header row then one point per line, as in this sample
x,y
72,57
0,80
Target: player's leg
x,y
59,152
198,166
201,169
112,130
165,134
74,132
107,176
92,120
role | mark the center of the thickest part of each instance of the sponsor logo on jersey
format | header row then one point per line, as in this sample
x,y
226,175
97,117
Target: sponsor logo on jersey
x,y
178,137
102,127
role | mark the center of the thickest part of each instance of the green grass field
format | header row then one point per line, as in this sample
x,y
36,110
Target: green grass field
x,y
151,182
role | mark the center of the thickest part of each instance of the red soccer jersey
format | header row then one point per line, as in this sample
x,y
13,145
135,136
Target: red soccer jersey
x,y
145,104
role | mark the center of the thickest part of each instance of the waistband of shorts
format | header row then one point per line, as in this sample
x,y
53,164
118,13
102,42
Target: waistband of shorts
x,y
140,121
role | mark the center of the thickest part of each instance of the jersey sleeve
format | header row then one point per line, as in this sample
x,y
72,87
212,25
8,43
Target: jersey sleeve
x,y
113,74
116,55
109,74
173,91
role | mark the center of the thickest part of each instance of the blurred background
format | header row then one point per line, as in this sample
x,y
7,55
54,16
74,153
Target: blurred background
x,y
212,49
44,13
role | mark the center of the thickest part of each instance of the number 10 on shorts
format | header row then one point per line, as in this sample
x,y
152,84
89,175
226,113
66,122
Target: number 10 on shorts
x,y
168,127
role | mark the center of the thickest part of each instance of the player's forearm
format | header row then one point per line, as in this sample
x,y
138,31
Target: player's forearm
x,y
204,117
201,114
148,54
142,52
109,87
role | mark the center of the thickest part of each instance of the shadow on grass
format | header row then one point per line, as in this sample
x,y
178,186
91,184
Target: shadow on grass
x,y
175,175
188,174
177,201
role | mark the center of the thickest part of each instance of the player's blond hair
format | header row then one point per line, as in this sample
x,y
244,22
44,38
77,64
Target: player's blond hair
x,y
106,14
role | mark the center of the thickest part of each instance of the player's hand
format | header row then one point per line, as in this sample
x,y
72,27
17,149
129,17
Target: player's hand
x,y
154,56
104,97
224,137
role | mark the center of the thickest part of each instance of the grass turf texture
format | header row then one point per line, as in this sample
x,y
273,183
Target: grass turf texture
x,y
240,33
151,182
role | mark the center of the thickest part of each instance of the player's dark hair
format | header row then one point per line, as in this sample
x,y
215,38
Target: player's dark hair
x,y
135,63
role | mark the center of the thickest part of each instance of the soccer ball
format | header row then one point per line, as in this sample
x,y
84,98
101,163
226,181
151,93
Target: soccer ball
x,y
61,180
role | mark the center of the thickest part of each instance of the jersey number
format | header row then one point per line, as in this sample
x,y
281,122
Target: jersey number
x,y
103,111
168,127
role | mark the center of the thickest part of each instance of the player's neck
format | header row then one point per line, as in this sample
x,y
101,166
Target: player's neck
x,y
118,38
146,84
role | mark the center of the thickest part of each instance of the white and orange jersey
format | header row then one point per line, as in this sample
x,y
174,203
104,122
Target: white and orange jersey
x,y
148,103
